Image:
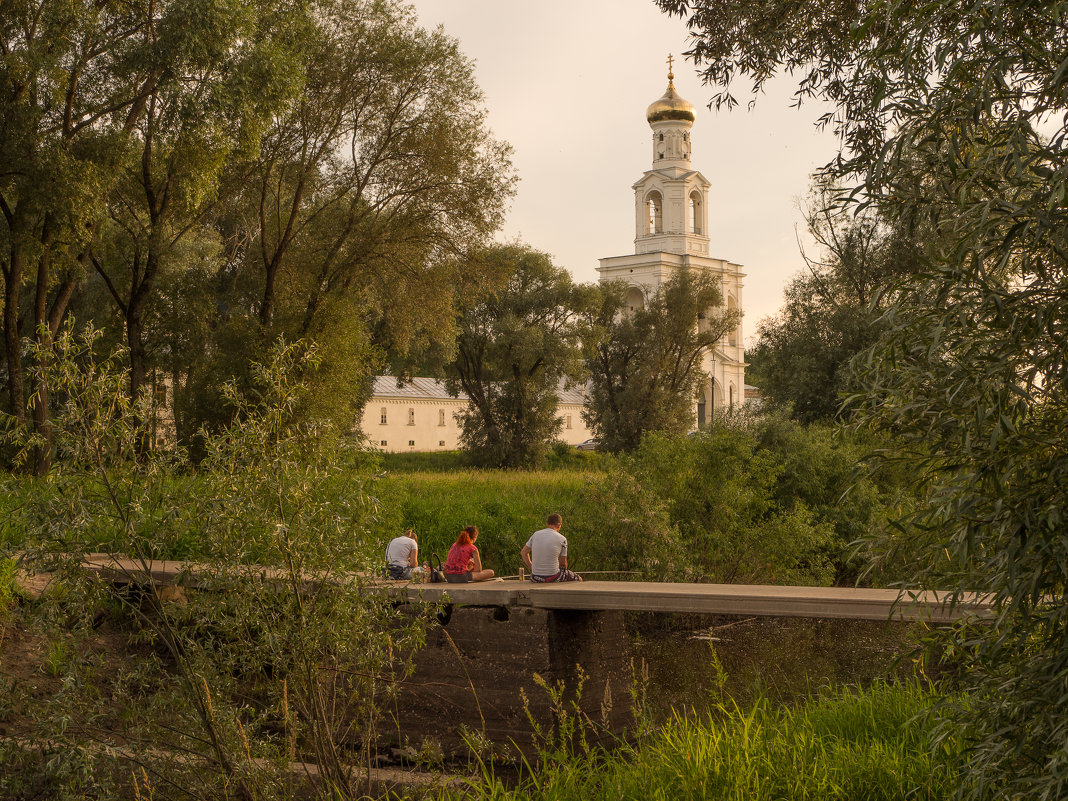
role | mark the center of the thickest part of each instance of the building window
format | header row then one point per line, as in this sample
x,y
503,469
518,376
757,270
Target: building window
x,y
730,394
568,423
411,443
411,417
441,443
382,417
441,417
383,443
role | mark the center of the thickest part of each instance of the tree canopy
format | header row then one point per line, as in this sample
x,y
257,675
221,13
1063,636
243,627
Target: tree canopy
x,y
645,364
204,180
517,345
802,359
953,117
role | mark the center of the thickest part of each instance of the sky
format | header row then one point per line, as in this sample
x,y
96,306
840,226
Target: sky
x,y
567,82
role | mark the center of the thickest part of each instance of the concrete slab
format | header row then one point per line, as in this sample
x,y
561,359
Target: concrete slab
x,y
638,596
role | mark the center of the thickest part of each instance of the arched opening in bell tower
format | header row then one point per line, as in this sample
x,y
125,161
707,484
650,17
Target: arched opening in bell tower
x,y
635,300
654,205
696,223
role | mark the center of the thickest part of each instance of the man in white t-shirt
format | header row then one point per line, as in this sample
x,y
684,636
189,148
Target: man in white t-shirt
x,y
545,554
402,554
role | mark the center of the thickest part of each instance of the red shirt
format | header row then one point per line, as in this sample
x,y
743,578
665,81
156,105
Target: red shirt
x,y
459,556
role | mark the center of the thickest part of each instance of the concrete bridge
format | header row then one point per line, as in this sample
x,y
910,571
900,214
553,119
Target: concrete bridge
x,y
477,667
616,596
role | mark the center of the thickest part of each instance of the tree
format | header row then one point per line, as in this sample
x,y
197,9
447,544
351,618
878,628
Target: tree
x,y
220,82
516,344
377,173
953,116
349,225
645,364
802,356
67,90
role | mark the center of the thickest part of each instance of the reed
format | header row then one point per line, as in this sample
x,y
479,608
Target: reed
x,y
846,744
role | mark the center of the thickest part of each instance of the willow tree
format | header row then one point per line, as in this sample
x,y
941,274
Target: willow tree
x,y
645,364
350,224
953,116
517,344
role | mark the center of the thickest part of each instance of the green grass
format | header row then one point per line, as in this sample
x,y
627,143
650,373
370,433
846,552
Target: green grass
x,y
507,506
868,745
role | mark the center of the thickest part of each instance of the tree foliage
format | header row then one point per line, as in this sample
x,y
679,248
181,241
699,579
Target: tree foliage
x,y
953,117
802,356
645,364
225,175
232,681
518,344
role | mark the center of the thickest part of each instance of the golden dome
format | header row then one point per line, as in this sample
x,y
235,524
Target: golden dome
x,y
670,106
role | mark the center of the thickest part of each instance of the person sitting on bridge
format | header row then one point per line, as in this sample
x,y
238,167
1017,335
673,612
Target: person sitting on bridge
x,y
463,562
545,553
402,554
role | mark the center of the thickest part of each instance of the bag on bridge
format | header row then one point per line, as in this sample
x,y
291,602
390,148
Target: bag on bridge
x,y
437,573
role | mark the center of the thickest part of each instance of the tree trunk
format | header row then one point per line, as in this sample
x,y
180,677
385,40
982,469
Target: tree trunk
x,y
12,345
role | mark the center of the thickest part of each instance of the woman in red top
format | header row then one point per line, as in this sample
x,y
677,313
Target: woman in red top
x,y
463,562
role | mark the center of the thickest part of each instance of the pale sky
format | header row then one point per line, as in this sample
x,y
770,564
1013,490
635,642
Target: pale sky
x,y
567,83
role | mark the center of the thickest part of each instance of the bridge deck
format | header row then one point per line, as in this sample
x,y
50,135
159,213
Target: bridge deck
x,y
638,596
719,599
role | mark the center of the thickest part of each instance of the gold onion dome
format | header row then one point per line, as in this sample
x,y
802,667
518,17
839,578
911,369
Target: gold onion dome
x,y
670,106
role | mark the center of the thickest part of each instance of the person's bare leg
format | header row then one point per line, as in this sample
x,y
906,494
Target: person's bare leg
x,y
482,575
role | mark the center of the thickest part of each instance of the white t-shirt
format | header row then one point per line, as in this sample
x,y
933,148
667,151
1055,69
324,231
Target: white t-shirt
x,y
547,546
399,549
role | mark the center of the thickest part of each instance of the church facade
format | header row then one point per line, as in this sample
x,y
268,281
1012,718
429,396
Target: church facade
x,y
671,234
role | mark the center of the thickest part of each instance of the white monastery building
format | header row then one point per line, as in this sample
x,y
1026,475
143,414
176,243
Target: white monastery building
x,y
671,233
421,416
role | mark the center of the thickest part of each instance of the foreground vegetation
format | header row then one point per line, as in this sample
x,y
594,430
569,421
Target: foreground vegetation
x,y
758,501
871,744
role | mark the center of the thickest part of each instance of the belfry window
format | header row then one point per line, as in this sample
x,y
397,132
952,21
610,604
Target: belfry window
x,y
654,204
635,299
696,213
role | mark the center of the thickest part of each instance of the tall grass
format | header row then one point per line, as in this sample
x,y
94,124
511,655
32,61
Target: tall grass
x,y
506,506
847,744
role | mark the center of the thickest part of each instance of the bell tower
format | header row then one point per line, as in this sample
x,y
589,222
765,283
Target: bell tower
x,y
671,232
671,198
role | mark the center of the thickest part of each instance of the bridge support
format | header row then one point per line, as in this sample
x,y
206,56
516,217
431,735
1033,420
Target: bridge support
x,y
476,675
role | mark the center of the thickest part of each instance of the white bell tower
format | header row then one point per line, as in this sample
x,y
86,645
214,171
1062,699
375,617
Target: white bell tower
x,y
671,232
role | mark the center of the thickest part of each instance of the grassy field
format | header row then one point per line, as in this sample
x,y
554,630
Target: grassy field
x,y
847,745
506,506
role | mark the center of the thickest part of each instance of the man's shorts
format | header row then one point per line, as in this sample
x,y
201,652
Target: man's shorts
x,y
563,575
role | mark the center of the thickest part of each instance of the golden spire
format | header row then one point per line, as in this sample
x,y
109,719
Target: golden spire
x,y
671,75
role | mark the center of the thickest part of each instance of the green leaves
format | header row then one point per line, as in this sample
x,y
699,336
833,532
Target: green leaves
x,y
517,344
645,364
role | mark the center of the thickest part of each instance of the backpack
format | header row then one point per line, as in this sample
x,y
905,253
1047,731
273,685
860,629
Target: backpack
x,y
437,572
